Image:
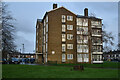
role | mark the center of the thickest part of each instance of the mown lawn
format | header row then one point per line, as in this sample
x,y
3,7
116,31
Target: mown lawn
x,y
104,65
38,71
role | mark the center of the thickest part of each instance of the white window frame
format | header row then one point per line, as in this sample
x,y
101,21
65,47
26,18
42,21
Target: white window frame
x,y
63,37
63,57
63,47
63,28
79,21
69,18
69,46
69,27
63,18
79,48
47,18
69,56
69,36
44,22
47,27
85,22
46,37
46,47
44,31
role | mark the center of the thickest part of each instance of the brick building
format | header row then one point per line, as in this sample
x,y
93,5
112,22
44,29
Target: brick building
x,y
64,37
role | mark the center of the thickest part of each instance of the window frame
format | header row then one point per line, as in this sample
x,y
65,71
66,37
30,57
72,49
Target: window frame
x,y
69,46
69,56
63,18
63,46
69,18
69,27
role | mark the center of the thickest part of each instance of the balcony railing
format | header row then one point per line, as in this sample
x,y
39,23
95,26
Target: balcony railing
x,y
99,35
97,26
97,52
97,43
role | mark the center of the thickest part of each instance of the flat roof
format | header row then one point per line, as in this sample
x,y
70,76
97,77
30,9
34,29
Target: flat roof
x,y
90,17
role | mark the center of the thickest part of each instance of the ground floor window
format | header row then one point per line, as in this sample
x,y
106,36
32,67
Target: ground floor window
x,y
82,57
97,57
63,57
69,56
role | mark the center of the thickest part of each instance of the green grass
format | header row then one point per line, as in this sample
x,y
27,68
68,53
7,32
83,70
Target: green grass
x,y
104,65
37,71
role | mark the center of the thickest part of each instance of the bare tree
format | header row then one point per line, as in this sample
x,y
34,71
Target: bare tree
x,y
8,29
92,14
118,45
108,40
107,37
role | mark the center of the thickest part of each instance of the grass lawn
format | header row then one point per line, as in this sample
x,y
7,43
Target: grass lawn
x,y
37,71
106,64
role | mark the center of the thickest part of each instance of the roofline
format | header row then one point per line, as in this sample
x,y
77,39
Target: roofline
x,y
90,17
61,7
54,10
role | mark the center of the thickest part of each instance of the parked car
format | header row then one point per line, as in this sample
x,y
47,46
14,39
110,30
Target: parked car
x,y
32,60
27,60
4,61
14,61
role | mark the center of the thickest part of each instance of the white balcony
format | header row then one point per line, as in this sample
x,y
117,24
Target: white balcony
x,y
98,35
97,61
97,44
96,26
97,53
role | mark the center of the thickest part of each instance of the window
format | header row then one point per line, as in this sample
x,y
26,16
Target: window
x,y
70,18
85,22
69,56
79,39
69,46
63,38
46,18
46,47
85,30
82,39
82,48
95,22
78,30
69,27
85,48
79,48
69,36
85,39
97,57
63,57
63,48
63,18
63,28
82,30
37,33
46,37
44,30
46,27
79,58
97,48
44,22
79,21
86,57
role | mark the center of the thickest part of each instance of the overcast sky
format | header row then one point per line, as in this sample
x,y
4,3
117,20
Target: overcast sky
x,y
27,13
